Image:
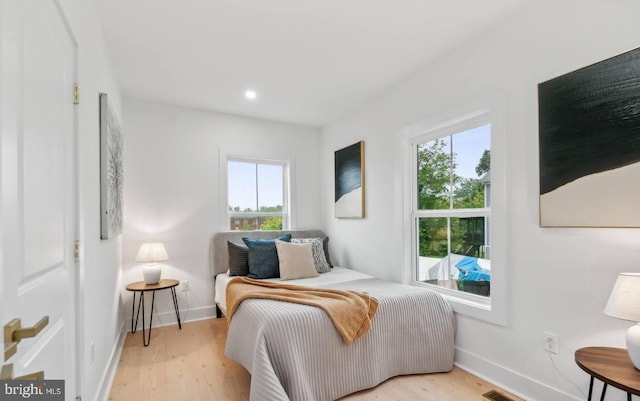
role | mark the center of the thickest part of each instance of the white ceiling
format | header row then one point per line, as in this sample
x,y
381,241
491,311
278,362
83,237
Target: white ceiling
x,y
310,61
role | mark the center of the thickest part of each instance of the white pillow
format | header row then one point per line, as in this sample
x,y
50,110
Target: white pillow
x,y
296,260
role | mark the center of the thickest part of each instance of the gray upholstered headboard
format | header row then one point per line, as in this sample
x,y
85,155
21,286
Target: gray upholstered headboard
x,y
219,252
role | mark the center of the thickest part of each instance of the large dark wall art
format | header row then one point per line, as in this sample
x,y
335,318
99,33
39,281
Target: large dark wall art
x,y
590,145
349,181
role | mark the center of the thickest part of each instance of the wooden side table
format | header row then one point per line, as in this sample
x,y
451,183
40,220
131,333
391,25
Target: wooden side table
x,y
142,287
611,366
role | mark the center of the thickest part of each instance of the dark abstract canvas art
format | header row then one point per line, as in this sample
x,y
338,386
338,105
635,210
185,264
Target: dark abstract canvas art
x,y
589,137
349,181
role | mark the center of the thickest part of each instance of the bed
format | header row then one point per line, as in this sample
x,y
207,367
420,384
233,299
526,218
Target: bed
x,y
294,352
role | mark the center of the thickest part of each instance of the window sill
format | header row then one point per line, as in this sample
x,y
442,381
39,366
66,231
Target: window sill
x,y
475,306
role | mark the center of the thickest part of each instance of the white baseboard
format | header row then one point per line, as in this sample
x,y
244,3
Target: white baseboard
x,y
110,373
168,318
514,382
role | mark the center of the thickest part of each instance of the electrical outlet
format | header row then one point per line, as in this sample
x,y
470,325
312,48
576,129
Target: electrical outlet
x,y
550,342
185,285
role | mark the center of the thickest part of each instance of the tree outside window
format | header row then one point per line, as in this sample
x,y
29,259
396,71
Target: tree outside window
x,y
452,208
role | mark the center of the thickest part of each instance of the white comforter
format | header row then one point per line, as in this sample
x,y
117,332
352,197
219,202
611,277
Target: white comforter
x,y
294,352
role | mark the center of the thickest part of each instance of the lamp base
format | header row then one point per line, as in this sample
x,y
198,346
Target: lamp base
x,y
633,344
151,274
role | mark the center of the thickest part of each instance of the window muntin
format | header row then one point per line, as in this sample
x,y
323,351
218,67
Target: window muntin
x,y
257,194
452,208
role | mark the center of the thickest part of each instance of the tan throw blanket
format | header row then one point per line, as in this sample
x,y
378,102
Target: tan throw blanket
x,y
350,311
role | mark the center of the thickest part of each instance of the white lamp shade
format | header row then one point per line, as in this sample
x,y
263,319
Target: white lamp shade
x,y
152,252
624,303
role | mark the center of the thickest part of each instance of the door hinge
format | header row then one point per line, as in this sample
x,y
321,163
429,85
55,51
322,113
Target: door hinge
x,y
76,94
78,398
76,251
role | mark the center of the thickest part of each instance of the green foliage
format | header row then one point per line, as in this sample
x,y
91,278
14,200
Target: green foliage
x,y
262,209
246,226
440,188
435,175
438,185
270,209
433,237
484,165
271,223
253,220
469,194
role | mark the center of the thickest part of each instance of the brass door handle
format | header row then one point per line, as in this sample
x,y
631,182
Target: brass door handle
x,y
14,333
33,331
7,374
10,349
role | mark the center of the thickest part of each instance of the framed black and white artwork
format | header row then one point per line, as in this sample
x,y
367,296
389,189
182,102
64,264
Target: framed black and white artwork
x,y
349,181
589,137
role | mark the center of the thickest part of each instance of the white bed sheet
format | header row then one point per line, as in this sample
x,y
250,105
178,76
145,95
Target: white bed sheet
x,y
336,275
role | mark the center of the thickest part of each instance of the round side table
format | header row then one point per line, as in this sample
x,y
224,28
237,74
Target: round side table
x,y
142,287
610,365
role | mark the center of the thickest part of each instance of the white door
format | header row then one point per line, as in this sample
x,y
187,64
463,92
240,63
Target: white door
x,y
37,185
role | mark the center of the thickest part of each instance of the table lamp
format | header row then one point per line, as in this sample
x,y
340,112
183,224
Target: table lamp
x,y
152,253
624,303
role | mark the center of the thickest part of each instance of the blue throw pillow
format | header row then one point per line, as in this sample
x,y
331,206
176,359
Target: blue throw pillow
x,y
263,257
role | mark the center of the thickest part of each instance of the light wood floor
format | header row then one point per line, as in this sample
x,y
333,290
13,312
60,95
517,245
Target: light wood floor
x,y
189,365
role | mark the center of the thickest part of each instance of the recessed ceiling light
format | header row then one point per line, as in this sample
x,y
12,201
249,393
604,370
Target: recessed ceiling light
x,y
250,94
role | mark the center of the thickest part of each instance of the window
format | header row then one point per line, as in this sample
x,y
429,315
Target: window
x,y
257,194
454,208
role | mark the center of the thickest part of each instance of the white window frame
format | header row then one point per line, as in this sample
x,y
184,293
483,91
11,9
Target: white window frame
x,y
226,155
493,309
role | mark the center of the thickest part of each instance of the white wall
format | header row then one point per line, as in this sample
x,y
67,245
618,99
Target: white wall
x,y
171,188
559,278
100,306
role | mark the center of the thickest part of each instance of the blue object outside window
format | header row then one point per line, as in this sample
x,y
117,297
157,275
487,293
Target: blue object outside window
x,y
470,270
